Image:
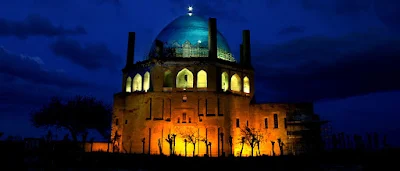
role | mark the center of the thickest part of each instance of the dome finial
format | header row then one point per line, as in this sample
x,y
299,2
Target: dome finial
x,y
190,10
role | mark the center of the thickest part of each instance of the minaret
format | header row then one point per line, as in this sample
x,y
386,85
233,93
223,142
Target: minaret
x,y
246,48
212,38
130,56
241,55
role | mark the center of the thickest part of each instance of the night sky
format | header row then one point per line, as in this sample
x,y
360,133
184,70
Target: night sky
x,y
341,54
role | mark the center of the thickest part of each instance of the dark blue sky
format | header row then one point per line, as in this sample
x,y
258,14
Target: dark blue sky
x,y
341,54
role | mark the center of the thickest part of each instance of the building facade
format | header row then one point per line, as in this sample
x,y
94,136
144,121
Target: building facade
x,y
191,97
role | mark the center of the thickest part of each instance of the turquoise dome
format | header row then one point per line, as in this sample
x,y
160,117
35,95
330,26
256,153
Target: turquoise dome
x,y
187,36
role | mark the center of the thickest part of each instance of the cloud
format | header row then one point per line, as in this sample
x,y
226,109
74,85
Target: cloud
x,y
222,9
291,30
26,84
19,92
91,56
31,69
318,67
35,25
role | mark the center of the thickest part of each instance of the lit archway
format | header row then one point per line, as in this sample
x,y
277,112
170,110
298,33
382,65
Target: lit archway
x,y
137,83
236,84
246,85
128,85
184,79
202,79
168,79
146,81
225,81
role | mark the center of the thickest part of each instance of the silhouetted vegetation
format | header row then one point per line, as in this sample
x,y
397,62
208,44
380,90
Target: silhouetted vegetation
x,y
190,136
76,115
230,145
206,144
252,137
115,141
171,139
325,161
46,151
160,146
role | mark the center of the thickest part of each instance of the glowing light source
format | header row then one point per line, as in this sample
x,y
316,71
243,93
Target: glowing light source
x,y
190,13
199,41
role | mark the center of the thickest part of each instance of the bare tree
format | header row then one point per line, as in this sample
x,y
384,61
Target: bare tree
x,y
242,142
209,145
91,144
185,147
143,141
252,137
273,147
84,139
281,144
190,136
170,140
159,146
115,141
205,140
230,144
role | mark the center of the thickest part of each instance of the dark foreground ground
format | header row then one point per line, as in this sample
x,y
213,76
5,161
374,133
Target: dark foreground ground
x,y
15,157
341,160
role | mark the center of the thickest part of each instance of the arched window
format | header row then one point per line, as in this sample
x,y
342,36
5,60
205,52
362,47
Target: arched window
x,y
202,79
146,81
236,84
184,79
128,85
168,79
137,83
225,81
246,85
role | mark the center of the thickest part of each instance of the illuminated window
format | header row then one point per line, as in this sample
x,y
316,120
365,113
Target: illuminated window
x,y
225,81
236,84
285,123
128,85
146,82
202,79
183,117
246,85
237,123
266,122
168,79
184,79
275,120
137,83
